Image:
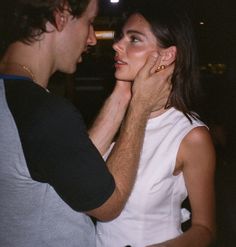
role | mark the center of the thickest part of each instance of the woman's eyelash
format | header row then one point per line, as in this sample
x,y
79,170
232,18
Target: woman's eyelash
x,y
134,38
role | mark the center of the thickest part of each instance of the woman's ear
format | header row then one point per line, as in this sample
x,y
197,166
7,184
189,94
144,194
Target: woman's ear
x,y
168,55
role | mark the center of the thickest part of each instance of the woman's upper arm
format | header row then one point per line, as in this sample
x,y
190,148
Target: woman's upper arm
x,y
197,155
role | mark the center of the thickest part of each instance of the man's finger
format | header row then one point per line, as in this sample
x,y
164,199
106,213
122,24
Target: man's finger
x,y
149,64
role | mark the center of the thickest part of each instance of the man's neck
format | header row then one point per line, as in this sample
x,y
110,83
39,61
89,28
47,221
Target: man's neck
x,y
26,60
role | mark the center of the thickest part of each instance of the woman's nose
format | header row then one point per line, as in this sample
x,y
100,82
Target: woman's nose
x,y
117,46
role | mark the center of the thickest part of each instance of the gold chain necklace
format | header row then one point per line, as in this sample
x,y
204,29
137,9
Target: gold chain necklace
x,y
26,69
23,67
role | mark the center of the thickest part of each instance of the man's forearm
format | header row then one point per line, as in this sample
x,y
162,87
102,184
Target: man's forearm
x,y
123,161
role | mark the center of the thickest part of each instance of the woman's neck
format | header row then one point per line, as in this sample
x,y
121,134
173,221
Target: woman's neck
x,y
157,113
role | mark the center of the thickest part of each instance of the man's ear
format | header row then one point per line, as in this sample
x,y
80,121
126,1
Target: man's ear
x,y
168,55
61,19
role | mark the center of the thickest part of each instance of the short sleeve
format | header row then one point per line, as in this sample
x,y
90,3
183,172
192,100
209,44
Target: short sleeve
x,y
58,151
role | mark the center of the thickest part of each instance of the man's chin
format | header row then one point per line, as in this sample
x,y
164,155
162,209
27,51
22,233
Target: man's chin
x,y
70,70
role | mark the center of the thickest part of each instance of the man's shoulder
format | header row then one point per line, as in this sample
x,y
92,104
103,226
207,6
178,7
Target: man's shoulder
x,y
33,106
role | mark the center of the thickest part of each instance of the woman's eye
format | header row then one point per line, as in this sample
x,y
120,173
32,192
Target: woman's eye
x,y
134,39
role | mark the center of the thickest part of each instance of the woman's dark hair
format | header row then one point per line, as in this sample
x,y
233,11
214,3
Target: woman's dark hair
x,y
25,20
172,27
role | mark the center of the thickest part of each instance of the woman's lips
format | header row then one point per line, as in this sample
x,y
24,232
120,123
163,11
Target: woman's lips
x,y
119,62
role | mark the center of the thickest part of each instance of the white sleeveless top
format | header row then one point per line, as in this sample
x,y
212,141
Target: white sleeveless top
x,y
153,211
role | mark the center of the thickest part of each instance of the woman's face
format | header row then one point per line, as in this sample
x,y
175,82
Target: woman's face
x,y
137,42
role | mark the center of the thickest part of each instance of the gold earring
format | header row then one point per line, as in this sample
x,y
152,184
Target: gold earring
x,y
160,67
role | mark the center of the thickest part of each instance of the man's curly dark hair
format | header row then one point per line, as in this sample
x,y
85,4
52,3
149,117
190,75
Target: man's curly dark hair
x,y
25,20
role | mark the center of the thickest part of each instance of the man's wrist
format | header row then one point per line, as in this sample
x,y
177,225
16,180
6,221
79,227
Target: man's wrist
x,y
141,107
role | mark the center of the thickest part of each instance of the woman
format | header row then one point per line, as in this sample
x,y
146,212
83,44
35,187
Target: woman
x,y
177,158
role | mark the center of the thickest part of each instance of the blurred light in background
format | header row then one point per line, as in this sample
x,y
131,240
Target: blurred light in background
x,y
114,1
214,68
104,34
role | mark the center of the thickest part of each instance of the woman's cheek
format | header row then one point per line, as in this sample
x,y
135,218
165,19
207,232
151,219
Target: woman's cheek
x,y
139,63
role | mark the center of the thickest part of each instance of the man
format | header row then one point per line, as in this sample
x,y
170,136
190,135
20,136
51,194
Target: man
x,y
51,174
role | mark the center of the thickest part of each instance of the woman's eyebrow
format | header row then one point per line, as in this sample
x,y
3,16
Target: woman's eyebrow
x,y
131,31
